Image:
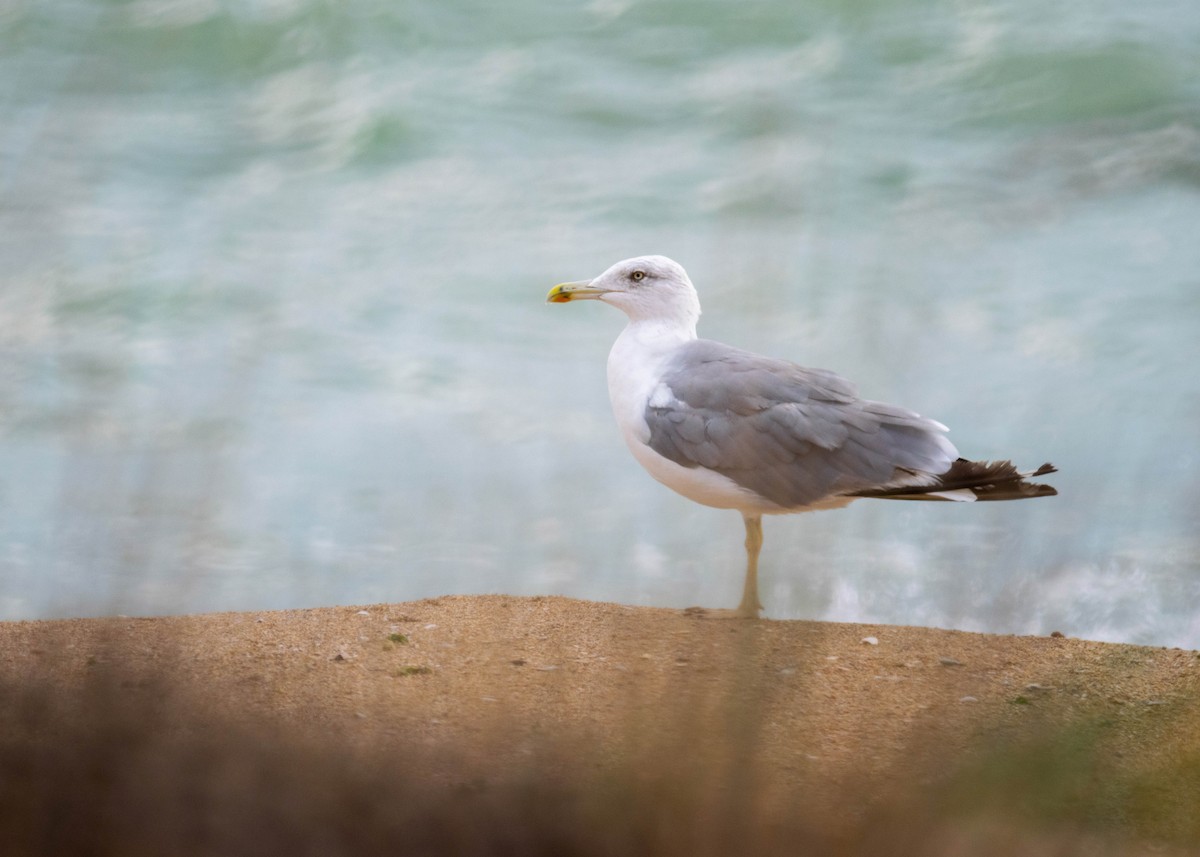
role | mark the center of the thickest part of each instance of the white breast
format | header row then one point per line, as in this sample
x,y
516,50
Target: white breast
x,y
635,368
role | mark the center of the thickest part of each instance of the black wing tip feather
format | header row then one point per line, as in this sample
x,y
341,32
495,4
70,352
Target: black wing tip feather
x,y
1000,480
988,480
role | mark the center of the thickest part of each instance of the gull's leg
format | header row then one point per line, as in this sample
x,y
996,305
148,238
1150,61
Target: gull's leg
x,y
750,605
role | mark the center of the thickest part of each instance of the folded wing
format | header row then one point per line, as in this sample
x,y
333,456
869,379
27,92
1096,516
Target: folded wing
x,y
794,436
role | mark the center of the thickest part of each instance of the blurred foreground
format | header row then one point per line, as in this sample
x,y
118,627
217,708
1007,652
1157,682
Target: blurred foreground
x,y
547,726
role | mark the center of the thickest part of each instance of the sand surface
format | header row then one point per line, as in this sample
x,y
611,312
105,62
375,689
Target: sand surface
x,y
492,681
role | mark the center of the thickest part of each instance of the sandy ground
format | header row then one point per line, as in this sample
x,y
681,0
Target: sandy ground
x,y
494,680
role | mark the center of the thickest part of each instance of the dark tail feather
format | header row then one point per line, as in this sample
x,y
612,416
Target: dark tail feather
x,y
987,480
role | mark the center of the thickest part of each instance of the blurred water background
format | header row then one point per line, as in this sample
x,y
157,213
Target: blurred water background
x,y
272,279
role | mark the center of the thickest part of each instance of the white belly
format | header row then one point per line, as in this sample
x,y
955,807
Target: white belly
x,y
697,483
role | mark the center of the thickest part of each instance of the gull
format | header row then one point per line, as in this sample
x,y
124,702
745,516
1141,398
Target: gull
x,y
733,429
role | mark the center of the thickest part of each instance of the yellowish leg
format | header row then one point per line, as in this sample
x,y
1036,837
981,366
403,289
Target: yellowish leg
x,y
750,605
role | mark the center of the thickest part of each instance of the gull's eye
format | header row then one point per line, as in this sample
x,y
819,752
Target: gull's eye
x,y
637,276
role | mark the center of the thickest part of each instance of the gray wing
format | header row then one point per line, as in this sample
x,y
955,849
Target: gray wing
x,y
792,435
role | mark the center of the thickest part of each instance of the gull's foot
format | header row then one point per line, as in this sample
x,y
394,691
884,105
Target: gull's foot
x,y
718,613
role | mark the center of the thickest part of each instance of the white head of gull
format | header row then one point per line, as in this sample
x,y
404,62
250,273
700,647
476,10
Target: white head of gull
x,y
736,430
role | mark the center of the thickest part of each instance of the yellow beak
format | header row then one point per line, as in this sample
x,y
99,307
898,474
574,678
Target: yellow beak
x,y
577,291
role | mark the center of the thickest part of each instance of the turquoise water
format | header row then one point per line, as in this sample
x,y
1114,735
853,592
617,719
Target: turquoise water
x,y
272,281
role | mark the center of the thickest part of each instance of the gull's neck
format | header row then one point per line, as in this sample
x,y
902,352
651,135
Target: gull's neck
x,y
651,336
635,367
